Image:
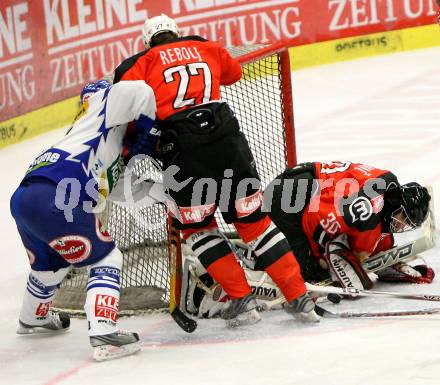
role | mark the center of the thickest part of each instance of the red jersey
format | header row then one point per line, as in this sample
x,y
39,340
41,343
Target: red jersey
x,y
185,72
350,202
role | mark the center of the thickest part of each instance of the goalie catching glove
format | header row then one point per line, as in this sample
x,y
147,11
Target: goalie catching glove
x,y
344,267
401,272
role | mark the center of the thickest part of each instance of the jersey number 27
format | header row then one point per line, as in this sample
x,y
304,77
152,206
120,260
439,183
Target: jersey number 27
x,y
185,73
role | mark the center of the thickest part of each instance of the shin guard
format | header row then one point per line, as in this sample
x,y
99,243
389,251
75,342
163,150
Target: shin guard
x,y
40,291
103,290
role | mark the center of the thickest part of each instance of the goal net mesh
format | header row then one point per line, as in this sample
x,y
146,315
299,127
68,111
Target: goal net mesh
x,y
141,233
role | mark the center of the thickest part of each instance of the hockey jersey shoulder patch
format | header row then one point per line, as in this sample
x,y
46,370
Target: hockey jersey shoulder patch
x,y
361,212
48,158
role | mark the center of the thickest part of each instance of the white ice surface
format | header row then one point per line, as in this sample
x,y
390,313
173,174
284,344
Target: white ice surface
x,y
384,111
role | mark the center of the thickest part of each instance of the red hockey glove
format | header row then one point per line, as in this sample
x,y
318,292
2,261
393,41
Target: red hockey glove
x,y
401,272
344,267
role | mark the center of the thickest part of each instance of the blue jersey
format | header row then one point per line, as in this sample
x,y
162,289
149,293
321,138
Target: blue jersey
x,y
90,152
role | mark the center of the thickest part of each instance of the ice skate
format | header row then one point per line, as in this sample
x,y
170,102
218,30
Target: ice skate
x,y
241,311
302,309
114,345
56,323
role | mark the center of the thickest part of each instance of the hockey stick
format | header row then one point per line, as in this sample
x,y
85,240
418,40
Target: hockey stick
x,y
175,261
351,291
268,305
329,314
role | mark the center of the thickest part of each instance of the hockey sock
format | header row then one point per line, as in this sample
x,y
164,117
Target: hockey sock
x,y
274,256
103,289
229,274
286,273
40,291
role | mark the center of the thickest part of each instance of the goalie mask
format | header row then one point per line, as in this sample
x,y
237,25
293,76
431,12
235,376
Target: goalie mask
x,y
157,25
406,207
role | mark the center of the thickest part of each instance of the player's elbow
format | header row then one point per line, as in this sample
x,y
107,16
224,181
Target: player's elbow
x,y
130,100
232,76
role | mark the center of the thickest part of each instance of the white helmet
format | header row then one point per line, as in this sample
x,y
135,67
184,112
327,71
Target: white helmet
x,y
156,25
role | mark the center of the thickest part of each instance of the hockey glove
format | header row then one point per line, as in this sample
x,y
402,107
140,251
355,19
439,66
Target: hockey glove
x,y
401,272
344,267
139,141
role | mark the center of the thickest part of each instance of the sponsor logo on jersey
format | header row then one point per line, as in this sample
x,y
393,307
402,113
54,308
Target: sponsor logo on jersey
x,y
106,306
334,167
42,309
104,270
247,205
361,209
73,248
114,172
102,232
46,159
195,214
377,203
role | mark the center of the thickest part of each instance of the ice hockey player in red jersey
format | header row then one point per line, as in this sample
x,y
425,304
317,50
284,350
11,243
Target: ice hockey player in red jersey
x,y
335,215
201,138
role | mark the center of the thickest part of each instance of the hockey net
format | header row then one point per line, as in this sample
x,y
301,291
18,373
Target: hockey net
x,y
262,102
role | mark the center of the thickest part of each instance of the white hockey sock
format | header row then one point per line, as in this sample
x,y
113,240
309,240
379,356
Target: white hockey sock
x,y
103,289
40,290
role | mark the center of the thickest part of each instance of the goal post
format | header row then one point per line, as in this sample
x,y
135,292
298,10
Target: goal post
x,y
262,103
280,54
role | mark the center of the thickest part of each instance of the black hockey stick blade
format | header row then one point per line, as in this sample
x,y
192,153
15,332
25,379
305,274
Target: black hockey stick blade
x,y
329,314
187,324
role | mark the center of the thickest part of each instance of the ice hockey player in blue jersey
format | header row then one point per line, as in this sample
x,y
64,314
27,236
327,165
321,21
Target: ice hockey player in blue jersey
x,y
54,211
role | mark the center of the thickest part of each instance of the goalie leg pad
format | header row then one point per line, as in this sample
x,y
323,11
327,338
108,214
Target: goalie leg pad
x,y
344,267
275,257
103,290
207,299
218,259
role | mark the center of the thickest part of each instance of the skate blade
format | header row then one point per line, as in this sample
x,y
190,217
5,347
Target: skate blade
x,y
249,318
38,330
310,317
110,352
